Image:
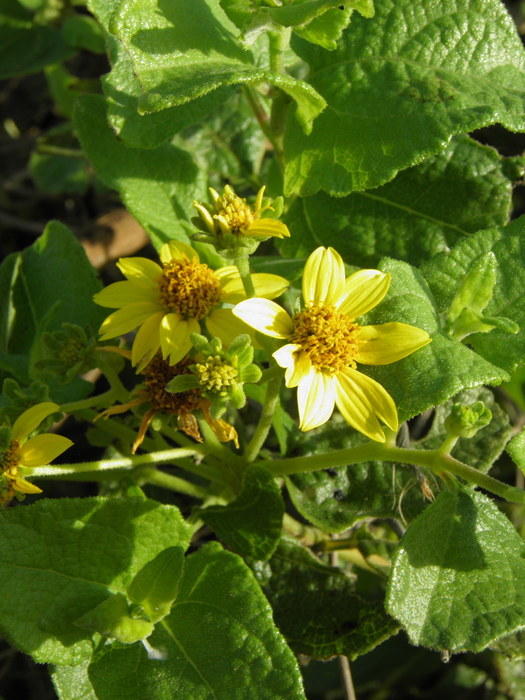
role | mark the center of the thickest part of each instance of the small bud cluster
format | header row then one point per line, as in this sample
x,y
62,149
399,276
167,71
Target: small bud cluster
x,y
219,373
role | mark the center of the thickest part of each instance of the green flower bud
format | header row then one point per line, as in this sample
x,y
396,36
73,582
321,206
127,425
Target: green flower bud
x,y
465,421
68,353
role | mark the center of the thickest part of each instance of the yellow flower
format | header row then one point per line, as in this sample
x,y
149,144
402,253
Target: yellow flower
x,y
23,453
231,214
325,344
166,303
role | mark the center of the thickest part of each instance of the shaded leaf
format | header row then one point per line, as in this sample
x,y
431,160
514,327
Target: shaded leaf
x,y
457,580
317,608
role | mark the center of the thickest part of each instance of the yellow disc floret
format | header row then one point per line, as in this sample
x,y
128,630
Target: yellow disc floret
x,y
234,210
327,336
189,288
215,375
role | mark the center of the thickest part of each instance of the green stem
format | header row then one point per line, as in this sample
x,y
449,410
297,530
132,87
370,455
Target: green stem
x,y
278,43
150,458
273,389
242,262
435,460
60,151
168,481
100,401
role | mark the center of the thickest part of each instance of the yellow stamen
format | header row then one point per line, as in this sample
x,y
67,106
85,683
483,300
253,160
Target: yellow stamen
x,y
188,288
237,213
328,337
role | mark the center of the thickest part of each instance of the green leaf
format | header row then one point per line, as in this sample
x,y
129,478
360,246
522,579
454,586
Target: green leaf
x,y
458,577
423,211
399,86
446,273
60,559
436,372
218,641
26,47
157,186
335,499
83,32
122,90
326,29
317,608
251,525
72,682
156,585
482,450
516,449
52,283
112,618
58,174
179,56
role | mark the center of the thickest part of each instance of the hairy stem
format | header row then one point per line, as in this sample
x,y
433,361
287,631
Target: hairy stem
x,y
265,421
439,463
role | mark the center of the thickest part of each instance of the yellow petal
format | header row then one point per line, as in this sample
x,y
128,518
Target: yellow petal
x,y
363,402
389,342
223,324
266,285
126,319
43,449
175,340
119,294
24,486
177,250
266,317
285,356
147,341
315,399
297,363
227,273
267,227
323,277
31,419
362,291
295,374
139,269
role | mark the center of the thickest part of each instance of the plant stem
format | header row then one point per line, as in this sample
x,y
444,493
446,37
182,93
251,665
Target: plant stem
x,y
435,460
278,42
101,400
242,262
119,463
265,421
168,481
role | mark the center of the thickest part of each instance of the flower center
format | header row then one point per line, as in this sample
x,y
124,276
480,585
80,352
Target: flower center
x,y
188,288
328,337
215,375
11,460
237,213
156,375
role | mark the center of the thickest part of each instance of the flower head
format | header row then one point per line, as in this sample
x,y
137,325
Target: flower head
x,y
232,216
21,455
182,405
167,302
220,373
326,344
